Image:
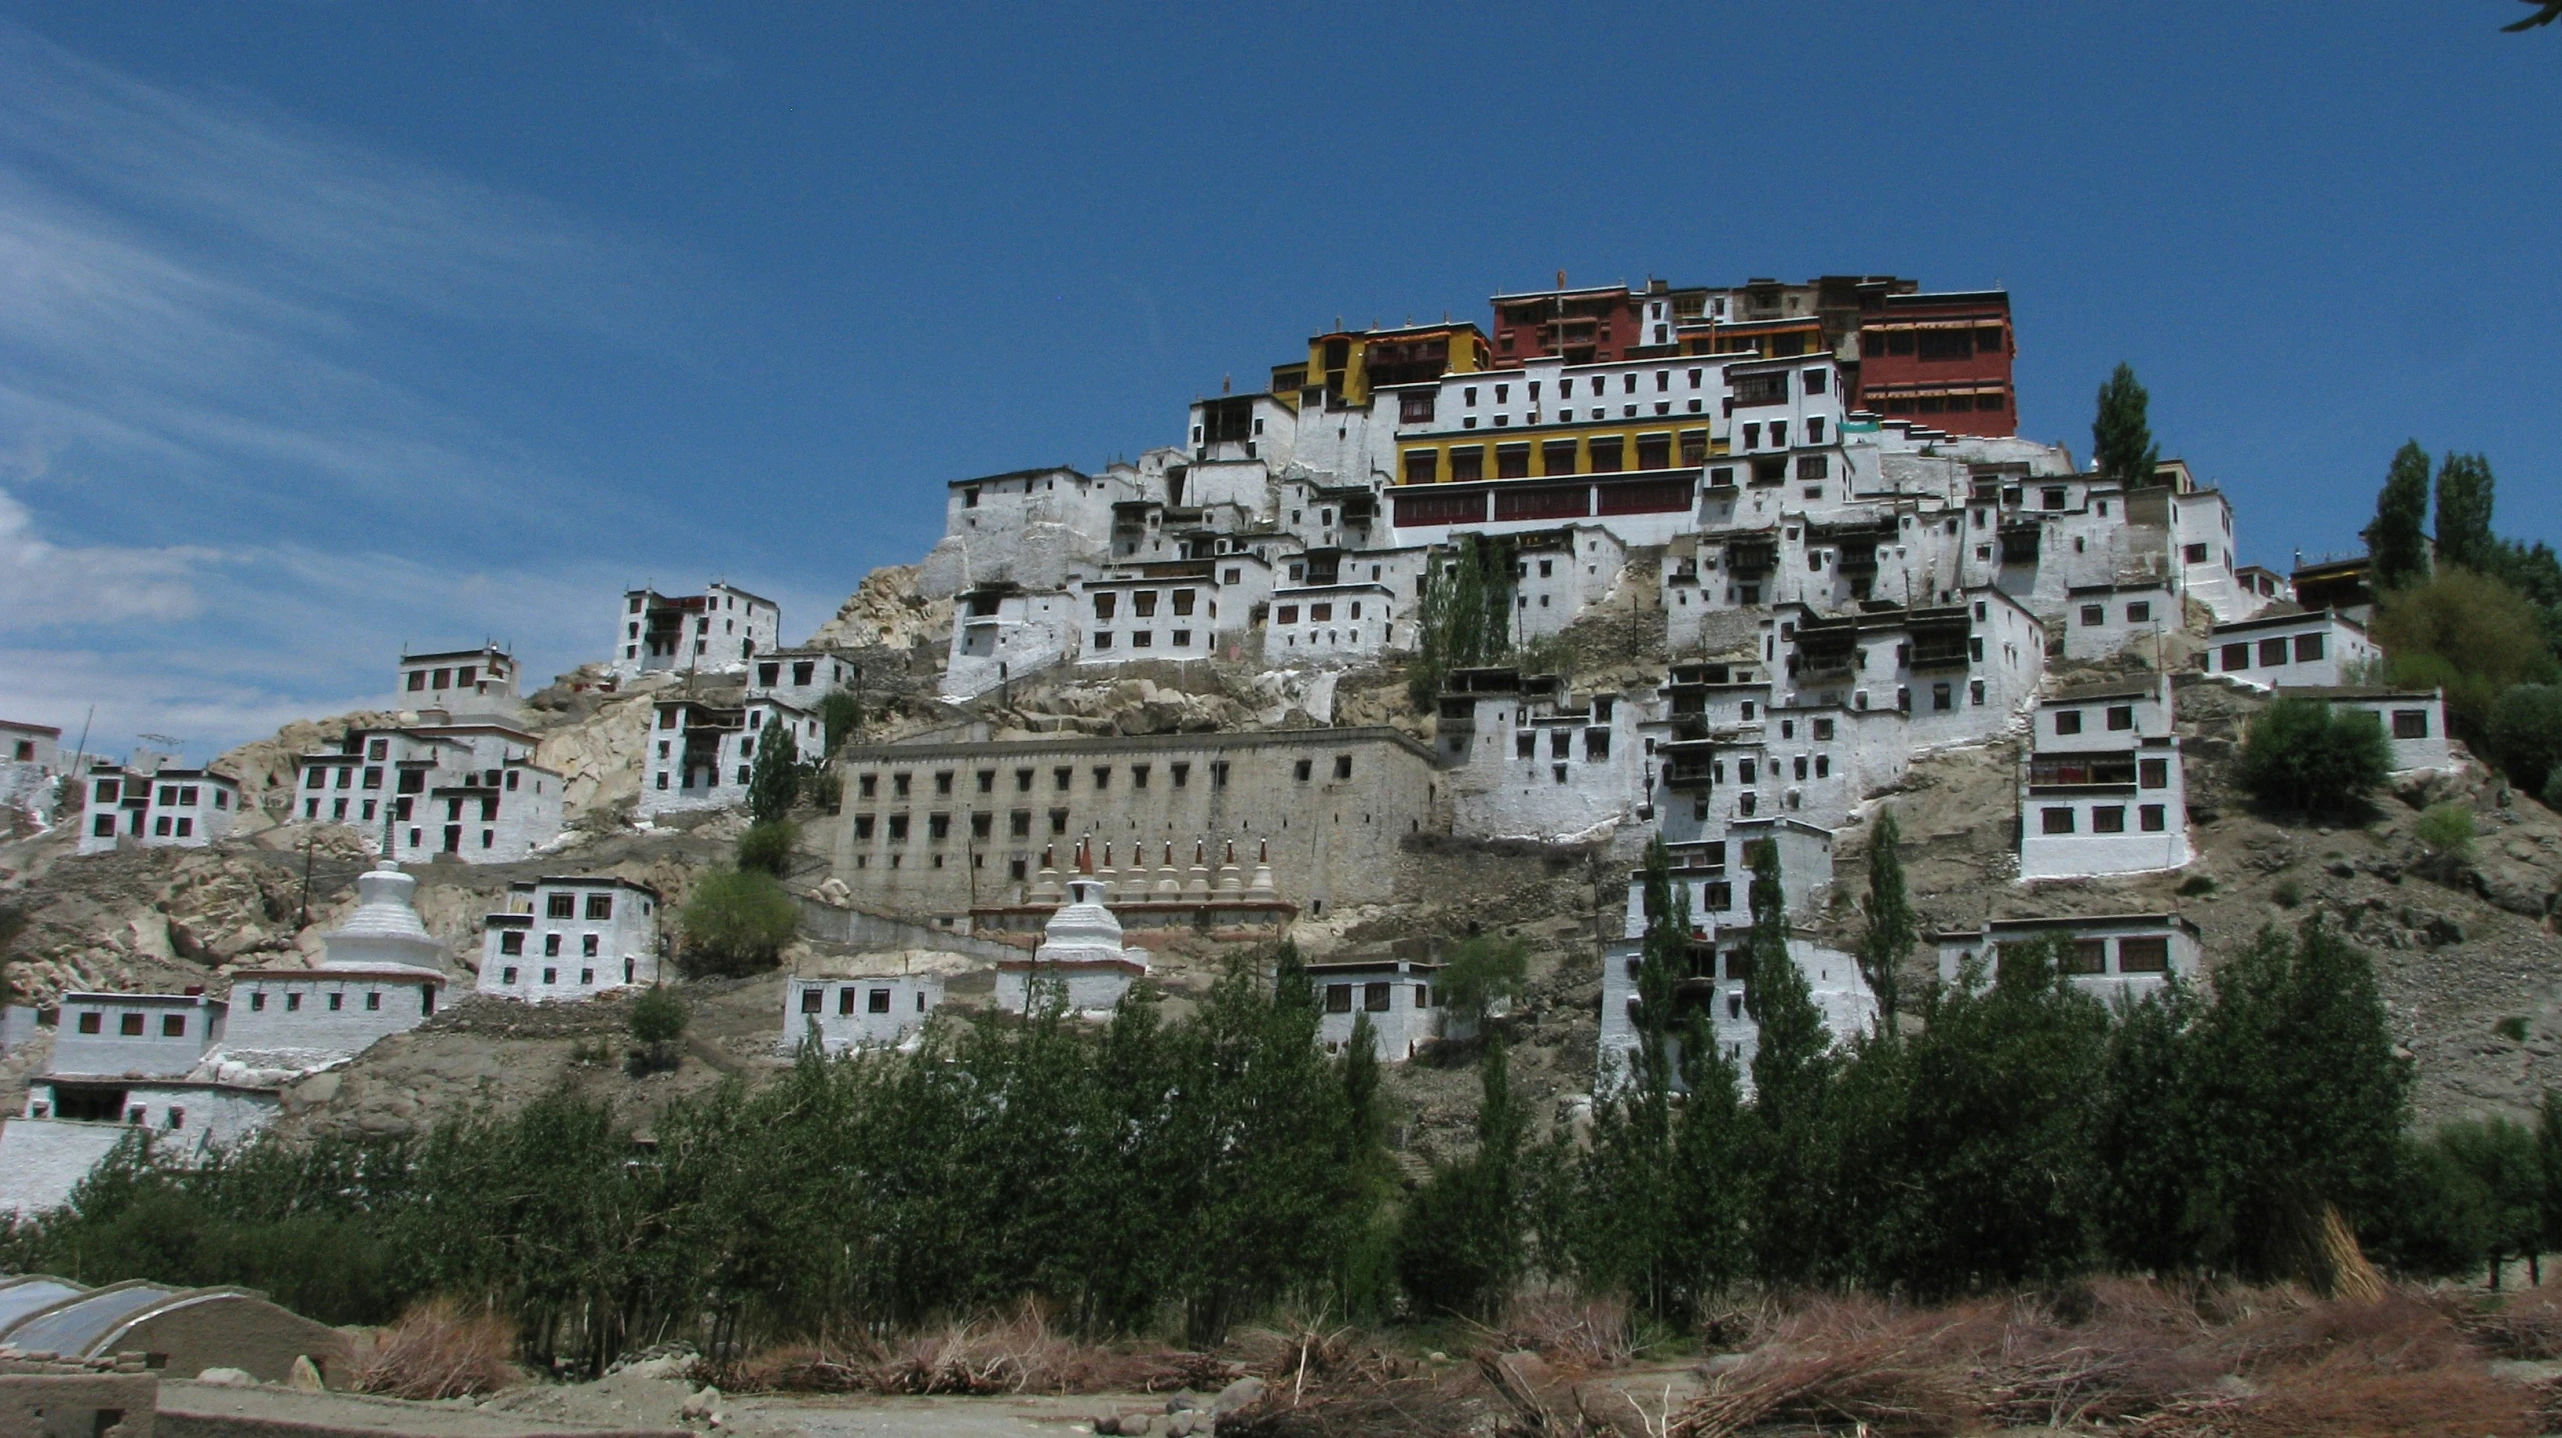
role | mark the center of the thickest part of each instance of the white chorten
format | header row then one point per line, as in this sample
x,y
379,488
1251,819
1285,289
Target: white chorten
x,y
385,931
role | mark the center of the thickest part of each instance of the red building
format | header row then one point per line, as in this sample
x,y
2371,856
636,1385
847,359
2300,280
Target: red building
x,y
1594,326
1943,360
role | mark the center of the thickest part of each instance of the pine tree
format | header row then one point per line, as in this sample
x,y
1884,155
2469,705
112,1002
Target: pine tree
x,y
2397,543
2464,539
774,779
2122,433
1891,930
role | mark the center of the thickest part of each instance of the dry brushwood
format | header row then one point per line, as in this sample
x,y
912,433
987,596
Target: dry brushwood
x,y
436,1350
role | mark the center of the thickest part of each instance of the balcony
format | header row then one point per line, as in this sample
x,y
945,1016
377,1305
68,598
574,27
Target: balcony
x,y
2019,543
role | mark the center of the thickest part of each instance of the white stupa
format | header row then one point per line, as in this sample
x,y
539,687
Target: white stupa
x,y
379,975
1080,947
385,933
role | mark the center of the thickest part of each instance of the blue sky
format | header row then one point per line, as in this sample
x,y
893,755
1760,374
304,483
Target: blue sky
x,y
326,328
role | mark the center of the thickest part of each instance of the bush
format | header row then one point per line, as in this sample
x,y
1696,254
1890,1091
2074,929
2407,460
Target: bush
x,y
437,1350
2288,894
2472,636
2446,831
840,714
1478,971
2305,756
2524,736
737,923
774,780
767,848
658,1016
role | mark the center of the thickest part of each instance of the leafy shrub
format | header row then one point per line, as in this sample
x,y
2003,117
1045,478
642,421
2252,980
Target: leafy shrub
x,y
774,780
840,714
658,1016
2446,831
737,923
2287,894
767,848
2512,1028
2305,756
1480,970
2470,635
2525,734
2194,885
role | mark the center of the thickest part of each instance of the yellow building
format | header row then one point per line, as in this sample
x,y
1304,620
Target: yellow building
x,y
1342,368
1558,450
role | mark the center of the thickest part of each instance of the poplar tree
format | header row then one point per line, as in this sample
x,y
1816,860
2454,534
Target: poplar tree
x,y
774,779
1891,931
2122,433
2397,544
1789,1072
2464,539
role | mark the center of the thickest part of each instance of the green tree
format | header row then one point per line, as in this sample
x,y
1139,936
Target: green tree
x,y
840,717
2439,1223
767,848
2548,1161
2397,544
2154,1211
2501,1157
1789,1073
1459,1247
2466,633
2299,1101
737,922
2464,492
13,922
1890,931
2524,734
1478,971
1466,618
2305,756
2122,433
774,777
656,1022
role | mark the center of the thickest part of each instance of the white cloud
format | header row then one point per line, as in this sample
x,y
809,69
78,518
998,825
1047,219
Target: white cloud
x,y
45,586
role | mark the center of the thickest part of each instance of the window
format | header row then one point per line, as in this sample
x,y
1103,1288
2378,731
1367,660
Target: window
x,y
1058,821
2068,721
551,946
1823,729
2108,819
2236,656
2410,723
1320,614
1654,451
1338,998
1301,770
2094,614
2193,554
1423,466
813,1000
1102,777
1019,824
1814,466
338,1000
2056,820
2151,817
1143,603
374,1000
293,1003
1415,407
2272,653
1342,766
1512,461
987,781
1606,451
2121,716
982,825
2140,612
512,942
899,784
867,786
877,1001
1289,614
1182,774
600,907
2308,648
1374,997
1060,778
560,906
1557,456
1525,745
898,828
943,781
1218,773
1467,463
862,826
1104,604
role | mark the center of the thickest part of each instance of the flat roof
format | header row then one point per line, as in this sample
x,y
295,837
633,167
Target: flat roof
x,y
2073,921
2085,693
1035,473
45,729
2354,691
2277,621
486,649
1106,745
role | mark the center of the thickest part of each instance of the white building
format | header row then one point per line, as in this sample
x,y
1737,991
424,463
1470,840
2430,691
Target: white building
x,y
1080,951
2102,791
150,802
1529,761
380,974
1034,529
31,769
715,632
1333,624
1560,574
701,753
872,1001
1396,994
1179,609
460,681
2414,720
1719,968
802,676
1001,632
2112,956
465,791
2317,650
564,938
2102,620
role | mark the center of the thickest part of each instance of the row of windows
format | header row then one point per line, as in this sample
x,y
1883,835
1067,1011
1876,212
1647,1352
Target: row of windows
x,y
1600,454
868,786
421,680
2119,717
2105,819
551,977
512,942
1146,639
875,1001
2137,612
1990,402
130,1025
1375,997
2307,649
1936,343
171,796
402,809
411,780
337,1000
162,827
1143,602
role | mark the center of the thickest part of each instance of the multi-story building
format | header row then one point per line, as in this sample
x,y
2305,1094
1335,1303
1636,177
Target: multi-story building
x,y
468,791
701,751
2102,791
2323,649
2102,620
2116,957
715,632
802,676
565,938
30,770
1943,359
458,681
152,802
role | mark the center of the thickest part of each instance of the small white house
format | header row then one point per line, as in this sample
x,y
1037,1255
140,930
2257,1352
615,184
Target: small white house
x,y
2102,791
30,765
1080,950
701,754
1332,624
563,938
1001,632
2321,649
718,631
149,802
122,1062
1396,994
2101,620
872,1001
2414,720
2111,955
801,677
458,681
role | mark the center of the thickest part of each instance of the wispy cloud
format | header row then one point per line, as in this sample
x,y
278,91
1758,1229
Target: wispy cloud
x,y
233,475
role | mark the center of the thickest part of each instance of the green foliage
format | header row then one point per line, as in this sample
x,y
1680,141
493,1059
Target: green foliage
x,y
2469,634
2499,1156
2548,1162
2439,1224
737,922
2464,496
2122,433
2196,884
1459,1248
2524,735
774,778
2288,893
2512,1028
1891,929
13,922
767,848
2397,544
1479,970
1467,616
2446,830
658,1016
2305,756
840,717
1790,1070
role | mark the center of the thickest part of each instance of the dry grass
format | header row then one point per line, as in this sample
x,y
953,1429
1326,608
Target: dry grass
x,y
436,1350
1020,1354
2127,1355
1576,1335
